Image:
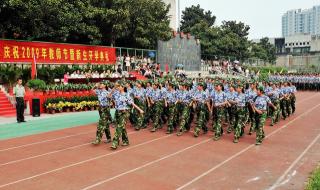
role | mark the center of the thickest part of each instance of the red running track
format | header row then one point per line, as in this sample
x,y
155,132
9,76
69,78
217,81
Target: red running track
x,y
65,159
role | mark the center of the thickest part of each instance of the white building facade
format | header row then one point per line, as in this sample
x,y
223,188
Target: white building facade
x,y
301,22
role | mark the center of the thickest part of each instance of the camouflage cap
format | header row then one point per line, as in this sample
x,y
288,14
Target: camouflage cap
x,y
261,88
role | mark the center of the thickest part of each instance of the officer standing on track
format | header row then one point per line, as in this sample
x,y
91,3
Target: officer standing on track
x,y
19,93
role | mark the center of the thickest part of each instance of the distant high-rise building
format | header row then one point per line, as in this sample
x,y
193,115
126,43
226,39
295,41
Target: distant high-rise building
x,y
301,22
172,13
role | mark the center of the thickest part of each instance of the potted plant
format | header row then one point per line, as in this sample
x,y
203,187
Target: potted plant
x,y
51,108
60,89
60,106
37,86
66,89
52,89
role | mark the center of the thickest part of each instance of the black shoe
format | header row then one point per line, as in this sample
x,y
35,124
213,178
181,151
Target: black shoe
x,y
23,121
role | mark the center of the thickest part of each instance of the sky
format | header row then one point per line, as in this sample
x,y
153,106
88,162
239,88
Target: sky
x,y
263,16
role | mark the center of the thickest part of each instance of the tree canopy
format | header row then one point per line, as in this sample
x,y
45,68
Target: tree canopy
x,y
229,41
131,23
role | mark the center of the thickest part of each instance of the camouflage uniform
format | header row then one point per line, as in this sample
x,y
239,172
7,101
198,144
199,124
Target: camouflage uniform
x,y
261,103
293,90
122,102
239,123
140,101
105,117
231,110
219,98
157,107
200,99
184,100
274,96
251,94
171,98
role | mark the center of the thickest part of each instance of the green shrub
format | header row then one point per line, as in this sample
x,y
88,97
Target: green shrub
x,y
36,84
314,180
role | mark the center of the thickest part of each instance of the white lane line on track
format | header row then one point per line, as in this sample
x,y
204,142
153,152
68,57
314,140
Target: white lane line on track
x,y
277,183
82,162
146,165
243,151
49,140
49,153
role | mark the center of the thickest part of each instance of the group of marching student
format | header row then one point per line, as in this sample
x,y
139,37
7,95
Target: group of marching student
x,y
179,104
301,81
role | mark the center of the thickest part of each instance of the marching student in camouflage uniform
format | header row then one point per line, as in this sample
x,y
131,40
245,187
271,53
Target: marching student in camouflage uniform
x,y
231,95
284,100
251,94
240,108
293,90
130,90
170,102
139,94
219,100
122,102
202,107
156,106
184,99
274,95
104,113
259,106
148,114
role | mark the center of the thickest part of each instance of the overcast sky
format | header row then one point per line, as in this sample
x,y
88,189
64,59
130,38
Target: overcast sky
x,y
263,16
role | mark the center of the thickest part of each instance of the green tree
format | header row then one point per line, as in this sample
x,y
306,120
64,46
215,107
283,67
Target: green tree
x,y
49,20
148,23
264,50
194,15
234,40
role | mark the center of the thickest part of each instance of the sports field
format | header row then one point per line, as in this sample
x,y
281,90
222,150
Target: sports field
x,y
56,153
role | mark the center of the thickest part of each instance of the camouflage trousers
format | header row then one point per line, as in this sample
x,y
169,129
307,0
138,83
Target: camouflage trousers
x,y
157,111
122,117
239,123
201,123
251,120
148,115
104,122
218,114
184,119
285,107
275,113
293,103
259,124
140,124
171,117
231,118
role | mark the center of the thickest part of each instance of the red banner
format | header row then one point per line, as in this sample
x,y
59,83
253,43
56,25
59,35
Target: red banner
x,y
24,52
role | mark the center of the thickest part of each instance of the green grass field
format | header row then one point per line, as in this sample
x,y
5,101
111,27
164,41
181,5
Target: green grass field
x,y
314,180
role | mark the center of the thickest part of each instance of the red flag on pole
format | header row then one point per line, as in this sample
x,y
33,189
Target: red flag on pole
x,y
167,68
34,68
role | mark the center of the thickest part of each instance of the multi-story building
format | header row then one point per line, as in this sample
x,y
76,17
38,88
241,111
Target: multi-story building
x,y
301,22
